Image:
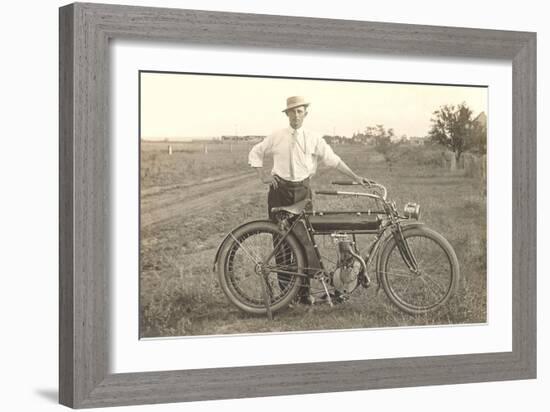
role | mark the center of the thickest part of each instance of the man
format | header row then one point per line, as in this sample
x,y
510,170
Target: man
x,y
296,152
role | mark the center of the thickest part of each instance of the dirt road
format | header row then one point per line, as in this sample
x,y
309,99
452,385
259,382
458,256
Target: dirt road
x,y
163,204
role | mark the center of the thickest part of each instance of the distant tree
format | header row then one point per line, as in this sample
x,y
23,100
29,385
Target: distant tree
x,y
452,126
383,142
360,138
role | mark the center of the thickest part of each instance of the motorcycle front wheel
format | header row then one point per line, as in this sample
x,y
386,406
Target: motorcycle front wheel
x,y
431,283
243,266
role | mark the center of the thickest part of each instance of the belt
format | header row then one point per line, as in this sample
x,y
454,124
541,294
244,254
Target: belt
x,y
290,183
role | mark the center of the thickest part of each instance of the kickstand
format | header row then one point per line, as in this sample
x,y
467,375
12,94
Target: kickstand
x,y
326,291
267,300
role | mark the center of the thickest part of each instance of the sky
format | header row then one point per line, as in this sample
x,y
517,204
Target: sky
x,y
180,106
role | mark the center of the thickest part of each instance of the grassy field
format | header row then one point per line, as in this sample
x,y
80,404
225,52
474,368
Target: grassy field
x,y
191,162
191,199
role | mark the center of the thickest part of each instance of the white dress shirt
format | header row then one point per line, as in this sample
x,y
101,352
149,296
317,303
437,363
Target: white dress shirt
x,y
294,158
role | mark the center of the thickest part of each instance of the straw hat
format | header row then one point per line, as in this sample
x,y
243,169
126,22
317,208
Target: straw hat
x,y
295,101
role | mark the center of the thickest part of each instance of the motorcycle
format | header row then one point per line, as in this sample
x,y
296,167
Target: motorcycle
x,y
261,265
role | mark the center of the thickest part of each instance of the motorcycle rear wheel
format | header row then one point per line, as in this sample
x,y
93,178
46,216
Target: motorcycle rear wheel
x,y
242,252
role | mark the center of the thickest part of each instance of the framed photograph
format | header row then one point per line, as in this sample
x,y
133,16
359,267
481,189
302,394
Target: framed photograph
x,y
256,205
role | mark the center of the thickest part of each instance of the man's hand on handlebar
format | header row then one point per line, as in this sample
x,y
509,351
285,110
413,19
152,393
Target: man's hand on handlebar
x,y
366,182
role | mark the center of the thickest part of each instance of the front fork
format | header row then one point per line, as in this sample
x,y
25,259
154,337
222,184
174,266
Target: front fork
x,y
404,249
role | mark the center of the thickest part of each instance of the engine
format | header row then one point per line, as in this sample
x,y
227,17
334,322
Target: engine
x,y
350,265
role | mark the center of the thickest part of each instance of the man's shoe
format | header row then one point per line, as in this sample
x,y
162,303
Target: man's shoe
x,y
335,297
306,299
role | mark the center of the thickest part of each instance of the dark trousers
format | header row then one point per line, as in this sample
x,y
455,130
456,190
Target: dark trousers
x,y
286,194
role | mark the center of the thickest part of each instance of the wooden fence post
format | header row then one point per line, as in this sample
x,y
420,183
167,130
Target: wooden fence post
x,y
453,162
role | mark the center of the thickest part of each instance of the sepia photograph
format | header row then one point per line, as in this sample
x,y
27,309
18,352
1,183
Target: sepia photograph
x,y
277,204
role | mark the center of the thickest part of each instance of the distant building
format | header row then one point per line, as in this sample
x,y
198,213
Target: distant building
x,y
416,140
481,119
363,138
336,139
246,138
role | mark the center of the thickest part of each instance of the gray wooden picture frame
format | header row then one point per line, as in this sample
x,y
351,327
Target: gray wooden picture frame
x,y
85,31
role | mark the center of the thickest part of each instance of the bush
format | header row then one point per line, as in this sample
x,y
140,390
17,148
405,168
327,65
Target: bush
x,y
425,155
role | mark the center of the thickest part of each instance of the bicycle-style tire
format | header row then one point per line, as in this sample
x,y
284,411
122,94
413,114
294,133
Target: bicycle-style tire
x,y
433,285
237,274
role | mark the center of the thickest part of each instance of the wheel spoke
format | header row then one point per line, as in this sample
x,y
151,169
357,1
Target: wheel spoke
x,y
430,264
441,288
401,273
407,288
255,260
429,287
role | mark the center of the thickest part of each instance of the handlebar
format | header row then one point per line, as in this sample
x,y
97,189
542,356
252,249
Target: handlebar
x,y
352,183
327,192
345,183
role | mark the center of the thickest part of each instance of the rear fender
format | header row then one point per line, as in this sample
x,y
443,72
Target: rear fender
x,y
227,238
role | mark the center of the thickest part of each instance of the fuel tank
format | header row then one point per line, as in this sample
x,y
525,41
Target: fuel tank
x,y
351,221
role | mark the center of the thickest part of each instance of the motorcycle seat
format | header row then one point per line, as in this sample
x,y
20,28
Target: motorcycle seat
x,y
295,209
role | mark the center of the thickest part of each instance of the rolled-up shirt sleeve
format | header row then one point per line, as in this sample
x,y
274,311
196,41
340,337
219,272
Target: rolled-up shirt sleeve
x,y
325,153
256,155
